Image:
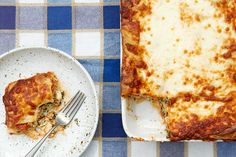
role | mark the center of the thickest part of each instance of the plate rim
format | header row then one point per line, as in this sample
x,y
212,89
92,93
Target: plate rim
x,y
74,60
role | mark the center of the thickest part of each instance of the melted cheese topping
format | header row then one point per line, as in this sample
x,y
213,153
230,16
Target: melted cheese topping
x,y
184,41
183,54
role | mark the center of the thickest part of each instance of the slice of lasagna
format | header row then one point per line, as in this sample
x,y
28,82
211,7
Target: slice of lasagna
x,y
31,104
182,54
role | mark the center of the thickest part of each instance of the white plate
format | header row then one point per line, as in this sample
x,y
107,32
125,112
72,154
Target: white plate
x,y
25,62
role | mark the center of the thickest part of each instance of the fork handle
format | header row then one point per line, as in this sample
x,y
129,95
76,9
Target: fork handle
x,y
34,150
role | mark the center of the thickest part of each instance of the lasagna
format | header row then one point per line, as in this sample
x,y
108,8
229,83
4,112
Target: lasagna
x,y
182,55
31,105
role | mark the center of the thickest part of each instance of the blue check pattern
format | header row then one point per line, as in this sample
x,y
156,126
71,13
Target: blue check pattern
x,y
90,31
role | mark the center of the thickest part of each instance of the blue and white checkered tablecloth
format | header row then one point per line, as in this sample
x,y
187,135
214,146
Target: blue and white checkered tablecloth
x,y
90,31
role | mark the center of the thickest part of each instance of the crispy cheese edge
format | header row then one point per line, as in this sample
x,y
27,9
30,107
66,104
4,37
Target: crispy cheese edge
x,y
132,55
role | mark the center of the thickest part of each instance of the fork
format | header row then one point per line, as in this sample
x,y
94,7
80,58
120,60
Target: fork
x,y
64,117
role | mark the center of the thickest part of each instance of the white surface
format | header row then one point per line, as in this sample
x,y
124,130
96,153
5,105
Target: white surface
x,y
31,39
200,149
143,149
72,76
87,1
31,1
93,150
143,121
85,41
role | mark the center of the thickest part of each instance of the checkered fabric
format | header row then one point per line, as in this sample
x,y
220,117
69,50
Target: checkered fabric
x,y
90,31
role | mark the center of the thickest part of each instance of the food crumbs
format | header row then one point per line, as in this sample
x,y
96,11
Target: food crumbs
x,y
76,121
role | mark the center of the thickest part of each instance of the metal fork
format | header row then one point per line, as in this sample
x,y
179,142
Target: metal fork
x,y
64,117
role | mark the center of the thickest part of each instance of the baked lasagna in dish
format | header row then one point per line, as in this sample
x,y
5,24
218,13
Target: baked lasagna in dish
x,y
181,54
31,105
